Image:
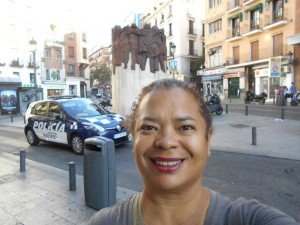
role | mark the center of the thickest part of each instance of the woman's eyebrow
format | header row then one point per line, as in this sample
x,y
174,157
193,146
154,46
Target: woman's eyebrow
x,y
184,118
151,119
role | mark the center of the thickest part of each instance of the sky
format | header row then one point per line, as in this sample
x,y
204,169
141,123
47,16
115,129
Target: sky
x,y
95,17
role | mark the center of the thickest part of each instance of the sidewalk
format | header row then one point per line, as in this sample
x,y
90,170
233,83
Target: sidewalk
x,y
41,196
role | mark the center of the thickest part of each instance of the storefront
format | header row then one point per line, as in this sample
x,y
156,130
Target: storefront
x,y
213,82
9,95
234,83
54,89
27,95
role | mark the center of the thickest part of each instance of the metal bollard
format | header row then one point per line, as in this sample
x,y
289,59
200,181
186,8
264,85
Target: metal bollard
x,y
246,110
253,135
24,119
226,109
72,176
11,117
282,113
230,100
22,160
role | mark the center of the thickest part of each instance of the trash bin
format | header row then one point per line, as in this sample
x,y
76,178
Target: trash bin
x,y
280,100
99,170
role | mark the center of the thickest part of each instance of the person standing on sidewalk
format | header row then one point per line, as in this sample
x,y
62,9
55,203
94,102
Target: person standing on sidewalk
x,y
172,129
292,89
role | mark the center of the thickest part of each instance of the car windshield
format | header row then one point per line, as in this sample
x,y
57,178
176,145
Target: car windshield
x,y
82,107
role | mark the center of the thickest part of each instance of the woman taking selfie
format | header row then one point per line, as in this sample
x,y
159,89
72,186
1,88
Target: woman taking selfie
x,y
171,130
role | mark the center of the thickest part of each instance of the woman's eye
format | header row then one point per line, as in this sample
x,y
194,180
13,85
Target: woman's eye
x,y
187,127
147,128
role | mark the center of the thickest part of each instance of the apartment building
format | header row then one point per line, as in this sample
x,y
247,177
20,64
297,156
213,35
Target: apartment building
x,y
247,48
76,61
53,76
182,24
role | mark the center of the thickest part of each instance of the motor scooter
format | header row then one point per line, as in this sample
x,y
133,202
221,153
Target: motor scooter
x,y
251,97
214,104
295,100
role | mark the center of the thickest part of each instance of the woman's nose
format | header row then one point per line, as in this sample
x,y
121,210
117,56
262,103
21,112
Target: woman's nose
x,y
167,139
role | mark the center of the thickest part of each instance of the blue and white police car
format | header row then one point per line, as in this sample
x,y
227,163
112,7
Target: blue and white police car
x,y
70,120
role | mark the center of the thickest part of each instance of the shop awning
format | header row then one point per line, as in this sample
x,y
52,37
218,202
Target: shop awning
x,y
294,39
10,79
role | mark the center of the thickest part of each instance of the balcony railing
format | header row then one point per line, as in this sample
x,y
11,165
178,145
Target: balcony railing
x,y
232,4
16,63
193,52
272,17
192,31
50,79
255,24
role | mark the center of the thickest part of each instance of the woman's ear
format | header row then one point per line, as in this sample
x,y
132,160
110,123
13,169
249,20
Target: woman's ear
x,y
209,137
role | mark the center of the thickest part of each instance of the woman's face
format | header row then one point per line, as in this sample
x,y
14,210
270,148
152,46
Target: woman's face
x,y
169,145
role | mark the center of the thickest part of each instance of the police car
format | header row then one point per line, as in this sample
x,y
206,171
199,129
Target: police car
x,y
70,120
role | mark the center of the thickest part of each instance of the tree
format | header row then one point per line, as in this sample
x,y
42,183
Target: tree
x,y
195,64
102,73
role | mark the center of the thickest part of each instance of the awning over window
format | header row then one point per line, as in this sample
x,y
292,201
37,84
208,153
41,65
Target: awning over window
x,y
267,1
10,79
258,6
240,15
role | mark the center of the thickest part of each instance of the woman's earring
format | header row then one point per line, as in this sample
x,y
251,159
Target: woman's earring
x,y
132,152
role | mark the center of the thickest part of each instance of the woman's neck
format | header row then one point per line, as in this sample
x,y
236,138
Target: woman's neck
x,y
187,207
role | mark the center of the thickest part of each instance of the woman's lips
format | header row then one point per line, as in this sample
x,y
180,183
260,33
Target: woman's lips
x,y
167,165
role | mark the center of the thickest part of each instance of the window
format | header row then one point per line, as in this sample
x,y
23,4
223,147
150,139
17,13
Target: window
x,y
277,10
58,74
47,53
84,37
57,54
155,22
191,47
215,26
213,3
236,55
71,51
47,74
191,26
55,110
162,18
254,19
254,50
31,77
16,74
72,89
71,69
278,45
170,10
84,53
236,27
40,109
170,29
71,35
215,57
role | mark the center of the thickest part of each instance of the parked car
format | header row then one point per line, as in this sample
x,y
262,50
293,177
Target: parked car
x,y
70,120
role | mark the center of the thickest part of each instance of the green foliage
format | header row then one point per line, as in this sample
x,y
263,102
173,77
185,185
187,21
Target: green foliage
x,y
195,64
102,73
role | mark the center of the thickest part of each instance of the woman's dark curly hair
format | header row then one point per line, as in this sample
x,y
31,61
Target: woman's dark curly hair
x,y
168,84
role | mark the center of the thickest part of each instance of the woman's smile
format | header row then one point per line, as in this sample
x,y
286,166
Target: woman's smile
x,y
167,165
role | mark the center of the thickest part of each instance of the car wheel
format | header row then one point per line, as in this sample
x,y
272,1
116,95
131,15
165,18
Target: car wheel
x,y
32,138
219,111
77,144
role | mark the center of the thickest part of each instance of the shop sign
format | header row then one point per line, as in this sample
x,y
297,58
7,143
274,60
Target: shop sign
x,y
275,67
55,86
213,72
212,77
262,72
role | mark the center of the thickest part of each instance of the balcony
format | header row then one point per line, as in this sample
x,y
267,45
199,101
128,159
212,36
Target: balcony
x,y
16,63
53,79
248,2
2,64
252,28
275,19
192,33
30,65
233,34
233,6
193,53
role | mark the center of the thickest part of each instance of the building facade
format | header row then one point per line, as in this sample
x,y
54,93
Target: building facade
x,y
246,46
76,62
182,24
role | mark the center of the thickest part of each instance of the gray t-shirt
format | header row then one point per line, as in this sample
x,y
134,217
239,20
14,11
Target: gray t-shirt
x,y
221,211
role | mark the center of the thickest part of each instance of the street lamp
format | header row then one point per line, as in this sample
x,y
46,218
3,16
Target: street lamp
x,y
173,50
33,48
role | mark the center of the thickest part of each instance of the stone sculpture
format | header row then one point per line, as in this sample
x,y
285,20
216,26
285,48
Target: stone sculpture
x,y
141,44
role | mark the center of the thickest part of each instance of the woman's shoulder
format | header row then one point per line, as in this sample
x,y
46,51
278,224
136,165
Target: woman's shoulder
x,y
243,211
120,214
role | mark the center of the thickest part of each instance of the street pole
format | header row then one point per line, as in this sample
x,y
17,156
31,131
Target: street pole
x,y
35,83
173,66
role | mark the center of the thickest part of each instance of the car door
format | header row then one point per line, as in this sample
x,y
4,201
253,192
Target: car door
x,y
39,120
57,124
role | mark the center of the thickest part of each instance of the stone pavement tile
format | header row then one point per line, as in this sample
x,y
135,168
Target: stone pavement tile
x,y
74,213
60,221
4,217
7,195
51,199
17,205
37,216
